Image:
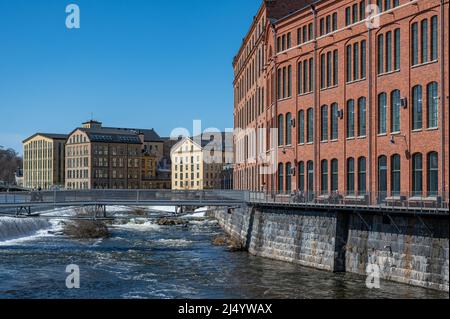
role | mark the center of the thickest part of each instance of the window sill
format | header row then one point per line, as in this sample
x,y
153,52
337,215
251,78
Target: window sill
x,y
329,88
334,141
285,99
324,142
355,81
423,64
382,134
395,133
417,130
304,94
362,137
388,73
432,129
350,138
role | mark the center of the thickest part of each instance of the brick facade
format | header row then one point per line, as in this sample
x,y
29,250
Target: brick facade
x,y
261,66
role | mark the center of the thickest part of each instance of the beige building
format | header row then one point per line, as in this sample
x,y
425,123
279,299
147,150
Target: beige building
x,y
43,161
198,163
103,158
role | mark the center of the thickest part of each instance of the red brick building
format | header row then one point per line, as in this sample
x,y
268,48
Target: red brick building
x,y
359,98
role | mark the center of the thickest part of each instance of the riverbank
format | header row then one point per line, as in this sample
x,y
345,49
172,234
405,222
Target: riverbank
x,y
402,247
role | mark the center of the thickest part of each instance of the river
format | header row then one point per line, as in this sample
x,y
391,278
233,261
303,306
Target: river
x,y
144,260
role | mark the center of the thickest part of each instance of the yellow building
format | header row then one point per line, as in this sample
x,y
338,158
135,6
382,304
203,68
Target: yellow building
x,y
198,163
43,161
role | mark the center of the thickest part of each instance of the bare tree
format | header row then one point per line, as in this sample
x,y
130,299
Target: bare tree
x,y
10,162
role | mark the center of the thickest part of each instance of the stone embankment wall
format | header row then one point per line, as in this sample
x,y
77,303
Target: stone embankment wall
x,y
406,248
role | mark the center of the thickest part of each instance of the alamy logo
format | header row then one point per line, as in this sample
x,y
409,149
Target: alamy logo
x,y
73,280
73,17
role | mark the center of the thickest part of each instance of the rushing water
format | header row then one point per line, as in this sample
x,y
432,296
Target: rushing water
x,y
150,261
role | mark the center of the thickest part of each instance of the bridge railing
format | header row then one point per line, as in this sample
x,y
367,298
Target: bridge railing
x,y
123,196
377,200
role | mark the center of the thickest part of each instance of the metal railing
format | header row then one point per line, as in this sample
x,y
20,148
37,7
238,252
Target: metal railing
x,y
378,200
163,197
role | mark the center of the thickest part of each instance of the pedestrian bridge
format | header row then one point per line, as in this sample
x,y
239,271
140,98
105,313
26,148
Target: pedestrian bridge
x,y
37,199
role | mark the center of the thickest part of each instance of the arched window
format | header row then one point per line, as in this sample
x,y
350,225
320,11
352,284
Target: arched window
x,y
288,178
301,127
395,175
417,175
432,174
280,130
334,175
288,129
382,113
301,176
395,111
350,118
324,177
382,177
362,116
350,176
432,105
417,107
334,121
324,123
280,177
362,173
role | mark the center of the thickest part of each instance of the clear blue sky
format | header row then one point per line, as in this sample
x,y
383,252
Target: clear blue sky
x,y
133,63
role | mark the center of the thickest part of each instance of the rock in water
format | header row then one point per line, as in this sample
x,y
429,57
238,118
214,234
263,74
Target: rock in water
x,y
86,229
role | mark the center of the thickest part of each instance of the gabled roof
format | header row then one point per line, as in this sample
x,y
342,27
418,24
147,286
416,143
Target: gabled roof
x,y
53,136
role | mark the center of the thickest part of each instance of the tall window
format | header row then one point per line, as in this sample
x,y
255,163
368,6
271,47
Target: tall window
x,y
335,67
432,105
324,177
389,51
324,123
432,174
289,81
395,111
310,167
363,59
310,126
434,38
362,116
335,21
417,107
347,16
301,127
288,129
356,61
417,174
351,176
382,113
350,118
348,66
301,176
322,71
334,175
382,177
288,178
380,54
334,121
299,78
395,175
280,130
424,40
397,49
329,69
280,177
415,43
362,176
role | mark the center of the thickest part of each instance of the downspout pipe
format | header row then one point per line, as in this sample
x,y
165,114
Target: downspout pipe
x,y
443,99
315,99
275,106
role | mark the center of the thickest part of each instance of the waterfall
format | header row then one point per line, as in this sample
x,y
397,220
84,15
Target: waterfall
x,y
12,228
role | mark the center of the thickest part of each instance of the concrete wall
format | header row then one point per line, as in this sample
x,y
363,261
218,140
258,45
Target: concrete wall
x,y
406,249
